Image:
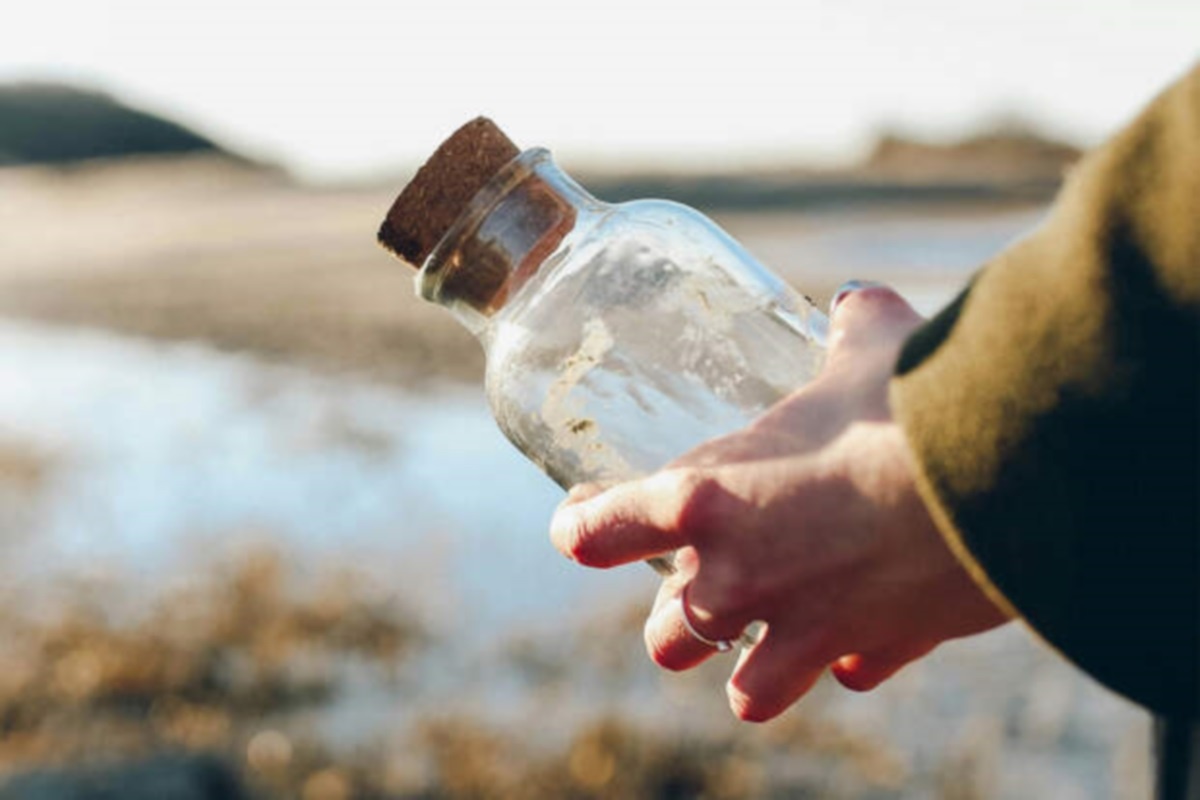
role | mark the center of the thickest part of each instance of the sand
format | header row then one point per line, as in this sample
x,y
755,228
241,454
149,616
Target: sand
x,y
199,249
245,259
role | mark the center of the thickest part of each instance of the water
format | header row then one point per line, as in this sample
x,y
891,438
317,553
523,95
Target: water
x,y
162,453
160,456
927,259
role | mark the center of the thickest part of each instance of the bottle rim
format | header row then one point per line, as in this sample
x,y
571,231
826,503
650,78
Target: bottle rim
x,y
438,264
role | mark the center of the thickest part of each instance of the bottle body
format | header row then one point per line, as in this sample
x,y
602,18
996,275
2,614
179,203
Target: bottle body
x,y
646,340
625,334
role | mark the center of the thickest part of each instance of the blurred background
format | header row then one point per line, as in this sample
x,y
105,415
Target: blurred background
x,y
258,534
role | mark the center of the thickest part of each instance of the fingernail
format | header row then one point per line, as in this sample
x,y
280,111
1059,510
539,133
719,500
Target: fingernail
x,y
847,288
562,527
582,491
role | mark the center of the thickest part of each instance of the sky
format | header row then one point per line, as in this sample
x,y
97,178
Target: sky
x,y
350,89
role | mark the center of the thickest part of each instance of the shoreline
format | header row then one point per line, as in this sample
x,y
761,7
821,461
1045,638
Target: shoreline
x,y
245,260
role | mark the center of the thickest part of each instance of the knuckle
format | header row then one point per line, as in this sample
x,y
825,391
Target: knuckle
x,y
722,589
701,503
822,644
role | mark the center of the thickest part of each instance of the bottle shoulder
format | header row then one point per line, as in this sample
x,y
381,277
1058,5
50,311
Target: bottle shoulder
x,y
658,211
674,226
629,252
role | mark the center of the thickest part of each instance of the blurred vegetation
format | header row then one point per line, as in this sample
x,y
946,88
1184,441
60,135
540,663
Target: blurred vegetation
x,y
226,687
48,123
212,691
241,642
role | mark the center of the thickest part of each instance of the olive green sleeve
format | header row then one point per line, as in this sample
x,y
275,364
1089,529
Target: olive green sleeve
x,y
1054,414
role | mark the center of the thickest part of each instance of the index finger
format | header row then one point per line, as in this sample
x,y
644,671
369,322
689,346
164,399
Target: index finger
x,y
629,522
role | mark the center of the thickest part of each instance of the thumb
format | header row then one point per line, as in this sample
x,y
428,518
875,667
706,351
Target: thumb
x,y
582,492
865,314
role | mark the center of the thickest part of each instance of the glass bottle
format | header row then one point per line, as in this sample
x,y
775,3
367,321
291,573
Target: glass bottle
x,y
618,336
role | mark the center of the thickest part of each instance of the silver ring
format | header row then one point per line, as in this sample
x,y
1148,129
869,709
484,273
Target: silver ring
x,y
720,645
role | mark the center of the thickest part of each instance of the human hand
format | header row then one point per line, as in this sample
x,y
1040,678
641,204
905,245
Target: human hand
x,y
807,520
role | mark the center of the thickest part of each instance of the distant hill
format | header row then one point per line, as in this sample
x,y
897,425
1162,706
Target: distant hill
x,y
1008,151
1001,163
47,123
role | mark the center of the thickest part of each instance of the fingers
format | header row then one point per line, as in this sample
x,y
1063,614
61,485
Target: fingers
x,y
773,674
637,520
863,672
584,491
670,642
865,314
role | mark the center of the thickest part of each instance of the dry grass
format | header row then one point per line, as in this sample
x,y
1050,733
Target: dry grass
x,y
243,662
236,664
23,469
198,666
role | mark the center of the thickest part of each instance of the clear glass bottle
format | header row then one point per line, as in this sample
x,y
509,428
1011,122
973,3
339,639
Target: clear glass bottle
x,y
618,336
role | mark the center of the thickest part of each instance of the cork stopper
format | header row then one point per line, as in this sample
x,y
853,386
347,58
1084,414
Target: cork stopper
x,y
443,187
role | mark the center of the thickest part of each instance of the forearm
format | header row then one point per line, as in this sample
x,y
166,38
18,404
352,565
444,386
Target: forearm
x,y
1054,413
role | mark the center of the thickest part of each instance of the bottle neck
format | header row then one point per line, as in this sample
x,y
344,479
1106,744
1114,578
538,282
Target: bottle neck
x,y
503,237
